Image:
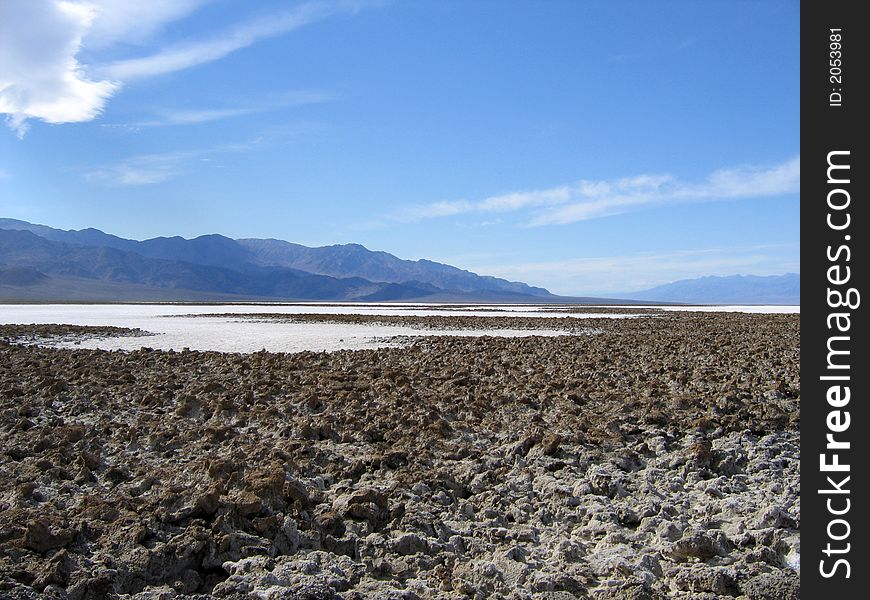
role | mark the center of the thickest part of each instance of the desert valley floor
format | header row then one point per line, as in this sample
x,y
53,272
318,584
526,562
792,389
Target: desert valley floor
x,y
633,458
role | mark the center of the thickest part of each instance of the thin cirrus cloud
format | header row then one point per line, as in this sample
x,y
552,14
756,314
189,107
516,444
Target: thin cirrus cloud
x,y
150,169
187,55
589,199
146,169
133,22
195,116
41,76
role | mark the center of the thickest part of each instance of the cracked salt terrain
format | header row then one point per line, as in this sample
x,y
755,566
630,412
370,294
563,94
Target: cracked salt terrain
x,y
657,457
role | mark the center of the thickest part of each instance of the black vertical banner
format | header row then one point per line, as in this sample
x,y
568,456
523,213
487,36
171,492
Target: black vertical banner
x,y
835,420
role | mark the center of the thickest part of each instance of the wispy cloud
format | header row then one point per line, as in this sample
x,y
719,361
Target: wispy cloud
x,y
654,53
146,169
191,54
609,274
134,22
591,199
149,169
195,116
42,76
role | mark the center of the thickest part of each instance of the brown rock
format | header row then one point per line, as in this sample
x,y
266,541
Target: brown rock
x,y
39,536
248,504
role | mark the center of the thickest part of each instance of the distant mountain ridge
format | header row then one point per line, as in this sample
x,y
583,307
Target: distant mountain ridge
x,y
734,289
340,260
38,262
26,250
250,268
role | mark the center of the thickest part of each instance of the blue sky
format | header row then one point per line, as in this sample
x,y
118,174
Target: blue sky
x,y
588,147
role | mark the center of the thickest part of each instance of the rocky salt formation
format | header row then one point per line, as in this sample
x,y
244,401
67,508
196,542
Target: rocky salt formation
x,y
657,459
55,334
439,322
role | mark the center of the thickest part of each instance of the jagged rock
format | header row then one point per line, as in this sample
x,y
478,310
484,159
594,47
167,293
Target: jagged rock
x,y
701,545
409,543
778,585
716,580
41,537
647,460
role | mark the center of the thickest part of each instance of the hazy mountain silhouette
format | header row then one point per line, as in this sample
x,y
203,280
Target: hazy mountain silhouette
x,y
356,260
35,258
80,265
40,262
735,289
256,257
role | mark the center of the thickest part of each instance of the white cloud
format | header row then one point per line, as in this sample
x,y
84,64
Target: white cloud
x,y
141,170
191,54
590,199
39,75
196,116
134,22
40,40
150,169
612,274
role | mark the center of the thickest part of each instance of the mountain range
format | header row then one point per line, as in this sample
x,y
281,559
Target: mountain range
x,y
734,289
40,263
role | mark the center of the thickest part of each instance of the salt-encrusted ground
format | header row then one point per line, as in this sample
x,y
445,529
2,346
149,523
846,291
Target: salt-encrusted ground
x,y
655,459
